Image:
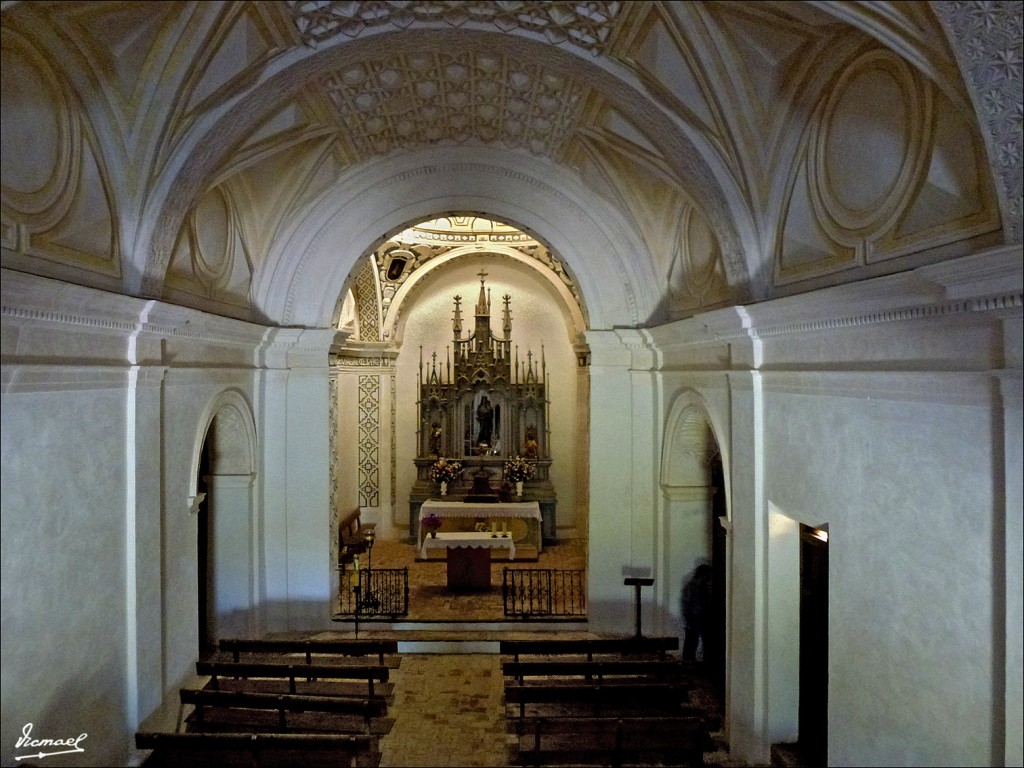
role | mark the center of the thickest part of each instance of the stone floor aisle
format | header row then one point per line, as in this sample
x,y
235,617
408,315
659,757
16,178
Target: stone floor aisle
x,y
448,712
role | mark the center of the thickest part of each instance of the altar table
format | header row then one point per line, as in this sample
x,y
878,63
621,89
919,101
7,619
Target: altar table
x,y
496,513
469,555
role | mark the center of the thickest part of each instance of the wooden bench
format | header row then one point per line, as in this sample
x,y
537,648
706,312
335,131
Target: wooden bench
x,y
591,699
255,712
257,750
663,670
589,647
662,741
351,648
353,535
287,678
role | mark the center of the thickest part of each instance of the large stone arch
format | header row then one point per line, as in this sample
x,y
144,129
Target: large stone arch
x,y
303,276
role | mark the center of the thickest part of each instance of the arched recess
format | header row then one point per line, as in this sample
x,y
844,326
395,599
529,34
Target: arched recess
x,y
696,513
226,450
575,313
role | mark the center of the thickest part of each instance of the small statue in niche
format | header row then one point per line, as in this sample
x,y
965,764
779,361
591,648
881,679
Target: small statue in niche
x,y
435,439
485,417
530,448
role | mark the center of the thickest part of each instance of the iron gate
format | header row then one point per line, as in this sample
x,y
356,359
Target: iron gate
x,y
531,592
376,592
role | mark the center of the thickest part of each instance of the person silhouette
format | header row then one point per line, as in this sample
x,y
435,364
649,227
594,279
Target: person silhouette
x,y
696,605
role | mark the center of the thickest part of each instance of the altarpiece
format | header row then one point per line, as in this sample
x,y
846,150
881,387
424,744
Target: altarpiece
x,y
483,405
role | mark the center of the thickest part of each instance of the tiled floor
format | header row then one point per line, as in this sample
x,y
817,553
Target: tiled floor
x,y
450,712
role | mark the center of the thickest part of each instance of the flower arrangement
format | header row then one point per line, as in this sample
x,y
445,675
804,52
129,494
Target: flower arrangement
x,y
431,522
518,469
444,471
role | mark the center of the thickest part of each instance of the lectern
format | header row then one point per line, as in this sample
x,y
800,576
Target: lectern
x,y
637,581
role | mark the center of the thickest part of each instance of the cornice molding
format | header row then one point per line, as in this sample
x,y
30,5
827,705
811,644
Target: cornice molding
x,y
982,283
33,299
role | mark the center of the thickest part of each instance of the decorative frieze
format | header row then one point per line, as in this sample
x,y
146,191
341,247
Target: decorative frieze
x,y
988,38
369,441
588,25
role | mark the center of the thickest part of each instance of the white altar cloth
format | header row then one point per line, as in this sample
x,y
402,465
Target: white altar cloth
x,y
525,509
470,540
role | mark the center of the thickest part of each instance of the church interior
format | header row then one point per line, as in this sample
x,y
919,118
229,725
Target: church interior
x,y
457,324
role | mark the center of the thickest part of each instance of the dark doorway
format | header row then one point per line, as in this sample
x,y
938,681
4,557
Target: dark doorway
x,y
714,654
813,716
203,545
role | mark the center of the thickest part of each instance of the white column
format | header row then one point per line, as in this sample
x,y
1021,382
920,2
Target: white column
x,y
297,532
623,499
746,662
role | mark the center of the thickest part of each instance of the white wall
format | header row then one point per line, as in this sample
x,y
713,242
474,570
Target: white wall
x,y
64,555
106,403
890,427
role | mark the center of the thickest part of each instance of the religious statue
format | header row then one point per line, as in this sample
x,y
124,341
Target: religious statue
x,y
485,417
435,439
530,448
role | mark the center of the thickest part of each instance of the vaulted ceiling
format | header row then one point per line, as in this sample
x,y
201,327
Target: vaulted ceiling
x,y
673,157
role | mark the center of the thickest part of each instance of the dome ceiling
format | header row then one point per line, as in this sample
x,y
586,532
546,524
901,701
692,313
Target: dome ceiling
x,y
724,152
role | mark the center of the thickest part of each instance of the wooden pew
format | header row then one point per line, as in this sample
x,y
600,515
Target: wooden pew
x,y
352,536
257,750
277,677
239,711
662,741
350,648
639,646
657,670
592,699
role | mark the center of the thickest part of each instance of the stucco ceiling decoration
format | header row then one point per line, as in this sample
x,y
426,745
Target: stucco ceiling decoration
x,y
56,204
590,25
989,38
406,101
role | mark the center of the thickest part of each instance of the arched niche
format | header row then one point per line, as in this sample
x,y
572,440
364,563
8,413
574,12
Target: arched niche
x,y
223,498
692,535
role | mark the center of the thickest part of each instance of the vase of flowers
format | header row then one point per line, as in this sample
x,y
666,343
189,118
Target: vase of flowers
x,y
518,470
444,471
430,524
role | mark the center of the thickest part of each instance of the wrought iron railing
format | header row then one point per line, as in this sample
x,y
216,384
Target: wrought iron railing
x,y
534,592
376,592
